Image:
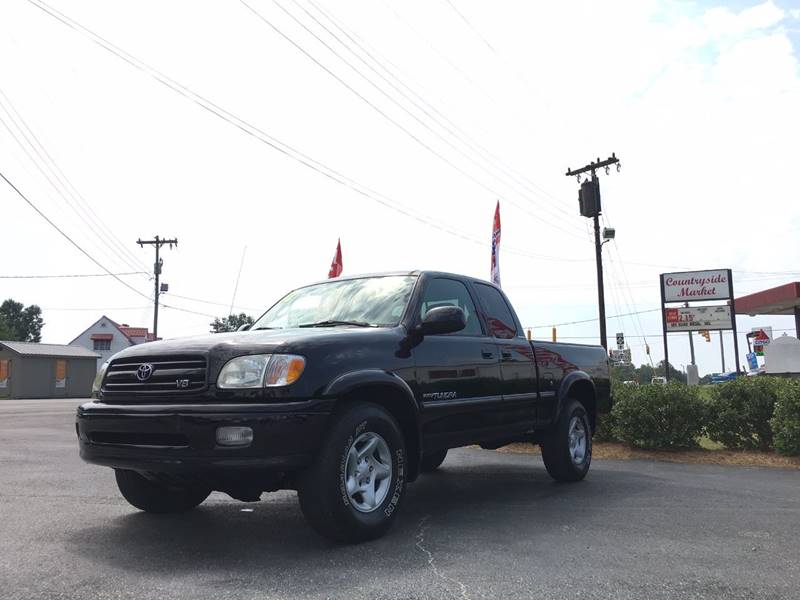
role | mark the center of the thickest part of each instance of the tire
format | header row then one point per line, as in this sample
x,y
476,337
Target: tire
x,y
567,449
154,497
432,461
355,487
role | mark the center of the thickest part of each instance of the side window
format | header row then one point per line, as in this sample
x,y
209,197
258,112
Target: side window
x,y
498,315
449,292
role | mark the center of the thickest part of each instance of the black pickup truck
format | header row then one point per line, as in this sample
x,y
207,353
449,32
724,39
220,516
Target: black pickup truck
x,y
344,390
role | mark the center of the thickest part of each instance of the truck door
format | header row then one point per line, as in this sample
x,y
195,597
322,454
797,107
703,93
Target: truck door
x,y
458,374
517,366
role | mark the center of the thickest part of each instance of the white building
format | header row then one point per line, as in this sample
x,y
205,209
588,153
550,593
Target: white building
x,y
107,337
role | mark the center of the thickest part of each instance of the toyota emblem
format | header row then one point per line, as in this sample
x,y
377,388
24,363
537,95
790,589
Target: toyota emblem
x,y
144,372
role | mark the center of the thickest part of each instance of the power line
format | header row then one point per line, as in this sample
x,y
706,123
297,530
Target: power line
x,y
186,310
96,308
639,312
273,142
69,239
213,303
651,335
383,113
298,156
86,254
471,26
454,66
73,276
464,137
97,225
502,170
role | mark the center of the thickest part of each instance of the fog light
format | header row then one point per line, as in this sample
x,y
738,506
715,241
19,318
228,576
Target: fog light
x,y
234,436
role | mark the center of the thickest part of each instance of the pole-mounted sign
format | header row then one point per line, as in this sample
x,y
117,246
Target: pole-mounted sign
x,y
698,286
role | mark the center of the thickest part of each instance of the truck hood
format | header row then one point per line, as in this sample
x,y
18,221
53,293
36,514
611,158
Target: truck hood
x,y
250,342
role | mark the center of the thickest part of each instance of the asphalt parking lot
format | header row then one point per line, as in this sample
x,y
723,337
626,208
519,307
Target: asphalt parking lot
x,y
489,525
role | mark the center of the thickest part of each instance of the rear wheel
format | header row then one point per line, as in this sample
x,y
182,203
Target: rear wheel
x,y
155,497
567,449
352,492
432,460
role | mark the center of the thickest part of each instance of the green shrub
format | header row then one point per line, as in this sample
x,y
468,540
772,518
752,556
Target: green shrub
x,y
604,428
659,416
739,412
786,419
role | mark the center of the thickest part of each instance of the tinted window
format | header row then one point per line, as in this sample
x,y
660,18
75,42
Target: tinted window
x,y
449,292
498,315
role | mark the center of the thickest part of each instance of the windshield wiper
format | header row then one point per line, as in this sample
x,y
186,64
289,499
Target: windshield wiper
x,y
334,323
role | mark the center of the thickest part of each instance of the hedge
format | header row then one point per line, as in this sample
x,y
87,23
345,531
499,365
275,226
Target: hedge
x,y
658,416
740,411
747,413
786,419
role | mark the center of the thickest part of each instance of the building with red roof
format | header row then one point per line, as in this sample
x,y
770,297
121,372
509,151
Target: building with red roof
x,y
107,337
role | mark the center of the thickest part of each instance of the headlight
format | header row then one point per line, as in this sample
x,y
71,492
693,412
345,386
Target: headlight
x,y
261,370
98,380
244,372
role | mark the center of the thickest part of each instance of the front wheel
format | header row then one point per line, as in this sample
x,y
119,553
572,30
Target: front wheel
x,y
567,449
155,497
352,492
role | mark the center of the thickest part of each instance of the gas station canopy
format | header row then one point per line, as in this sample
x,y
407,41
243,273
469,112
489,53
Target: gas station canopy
x,y
781,300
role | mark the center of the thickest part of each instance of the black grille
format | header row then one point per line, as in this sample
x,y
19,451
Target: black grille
x,y
167,375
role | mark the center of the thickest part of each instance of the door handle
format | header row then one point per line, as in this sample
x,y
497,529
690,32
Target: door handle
x,y
487,355
505,355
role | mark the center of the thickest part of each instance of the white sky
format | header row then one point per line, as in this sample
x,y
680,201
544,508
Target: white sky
x,y
699,100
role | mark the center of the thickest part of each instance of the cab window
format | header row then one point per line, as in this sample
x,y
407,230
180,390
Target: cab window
x,y
498,316
449,292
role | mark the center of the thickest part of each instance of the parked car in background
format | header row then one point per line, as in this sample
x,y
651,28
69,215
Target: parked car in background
x,y
723,377
659,380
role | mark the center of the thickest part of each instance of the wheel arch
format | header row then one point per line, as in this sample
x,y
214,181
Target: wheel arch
x,y
579,386
390,392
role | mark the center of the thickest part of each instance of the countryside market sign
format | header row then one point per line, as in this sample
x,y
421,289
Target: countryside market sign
x,y
689,287
696,285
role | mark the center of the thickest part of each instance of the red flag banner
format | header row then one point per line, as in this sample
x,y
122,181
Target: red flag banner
x,y
336,265
495,273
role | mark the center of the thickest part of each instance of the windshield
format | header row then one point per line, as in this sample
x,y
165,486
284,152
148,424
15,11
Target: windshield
x,y
368,301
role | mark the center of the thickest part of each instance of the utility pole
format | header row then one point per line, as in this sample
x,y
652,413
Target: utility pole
x,y
722,350
691,341
157,242
589,200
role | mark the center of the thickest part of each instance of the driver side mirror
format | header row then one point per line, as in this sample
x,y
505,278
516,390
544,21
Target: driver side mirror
x,y
443,319
243,327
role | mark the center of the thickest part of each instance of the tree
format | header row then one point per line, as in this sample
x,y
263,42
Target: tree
x,y
623,372
230,323
5,332
19,323
674,374
645,373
